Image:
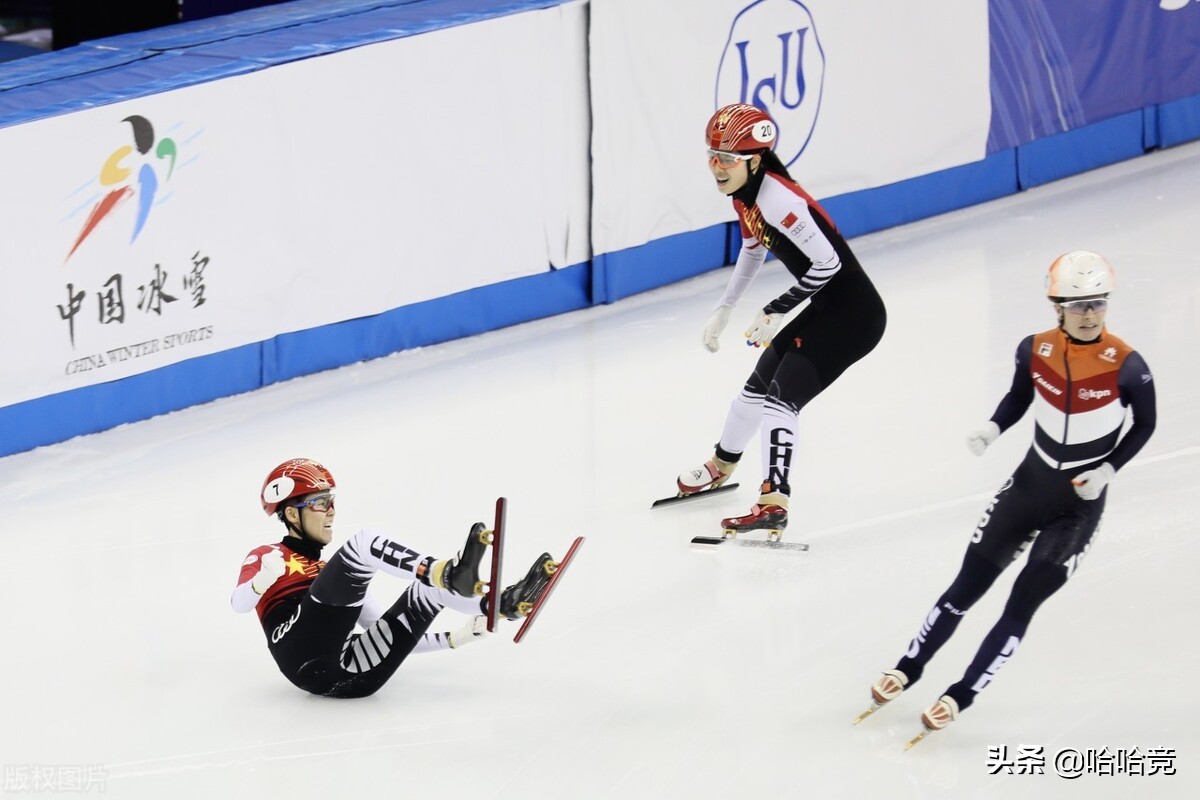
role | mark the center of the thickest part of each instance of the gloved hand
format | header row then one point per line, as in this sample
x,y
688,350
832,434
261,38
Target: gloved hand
x,y
712,329
473,631
1090,484
978,441
763,329
270,570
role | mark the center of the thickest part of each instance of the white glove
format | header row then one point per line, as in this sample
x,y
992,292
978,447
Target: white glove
x,y
978,441
763,329
473,631
712,329
270,570
1090,484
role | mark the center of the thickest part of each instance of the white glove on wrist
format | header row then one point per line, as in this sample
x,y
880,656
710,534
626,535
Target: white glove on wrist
x,y
978,441
763,329
473,631
272,567
712,329
1090,484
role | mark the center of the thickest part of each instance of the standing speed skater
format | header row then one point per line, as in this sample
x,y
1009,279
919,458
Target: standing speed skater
x,y
843,321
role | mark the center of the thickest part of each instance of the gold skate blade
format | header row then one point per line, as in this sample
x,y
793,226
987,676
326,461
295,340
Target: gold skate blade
x,y
916,740
875,707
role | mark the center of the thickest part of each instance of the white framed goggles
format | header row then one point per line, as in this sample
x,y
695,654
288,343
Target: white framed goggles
x,y
1097,304
724,158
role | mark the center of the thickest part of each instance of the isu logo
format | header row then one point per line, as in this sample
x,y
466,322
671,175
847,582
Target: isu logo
x,y
774,59
1094,394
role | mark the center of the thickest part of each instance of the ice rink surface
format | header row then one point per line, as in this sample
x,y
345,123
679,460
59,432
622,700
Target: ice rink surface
x,y
658,670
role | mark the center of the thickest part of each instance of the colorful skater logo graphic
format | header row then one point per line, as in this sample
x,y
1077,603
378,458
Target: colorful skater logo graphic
x,y
773,59
119,184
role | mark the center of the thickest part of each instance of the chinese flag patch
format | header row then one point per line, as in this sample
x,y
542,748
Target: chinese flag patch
x,y
789,220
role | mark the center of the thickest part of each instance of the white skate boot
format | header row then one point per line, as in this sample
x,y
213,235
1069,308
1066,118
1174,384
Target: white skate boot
x,y
709,476
936,717
883,691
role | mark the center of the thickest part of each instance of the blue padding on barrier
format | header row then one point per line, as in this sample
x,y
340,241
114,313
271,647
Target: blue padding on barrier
x,y
862,212
146,76
379,25
139,64
453,317
58,417
1179,121
1080,150
46,67
657,263
245,23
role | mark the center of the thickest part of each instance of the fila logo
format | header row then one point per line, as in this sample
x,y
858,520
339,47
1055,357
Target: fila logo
x,y
1045,349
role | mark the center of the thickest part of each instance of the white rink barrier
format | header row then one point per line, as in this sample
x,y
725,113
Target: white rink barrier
x,y
208,208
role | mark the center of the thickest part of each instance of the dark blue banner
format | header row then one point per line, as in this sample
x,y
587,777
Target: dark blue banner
x,y
1060,64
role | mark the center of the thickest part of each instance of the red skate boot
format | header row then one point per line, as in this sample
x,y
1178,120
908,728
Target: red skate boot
x,y
768,514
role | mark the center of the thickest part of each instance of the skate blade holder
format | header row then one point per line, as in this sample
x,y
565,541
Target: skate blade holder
x,y
526,608
773,535
486,537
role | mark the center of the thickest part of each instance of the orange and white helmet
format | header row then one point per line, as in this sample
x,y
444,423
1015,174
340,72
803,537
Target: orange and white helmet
x,y
1079,274
740,128
294,478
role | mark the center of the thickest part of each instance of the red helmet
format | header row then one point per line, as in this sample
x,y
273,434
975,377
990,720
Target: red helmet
x,y
294,478
740,128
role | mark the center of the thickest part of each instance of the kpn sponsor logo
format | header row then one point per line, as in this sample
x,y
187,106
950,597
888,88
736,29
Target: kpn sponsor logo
x,y
773,59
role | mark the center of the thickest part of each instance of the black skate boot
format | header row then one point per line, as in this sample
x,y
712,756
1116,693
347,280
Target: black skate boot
x,y
768,514
461,574
517,600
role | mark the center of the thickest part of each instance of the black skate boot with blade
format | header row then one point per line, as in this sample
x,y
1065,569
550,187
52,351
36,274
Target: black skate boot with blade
x,y
461,575
517,600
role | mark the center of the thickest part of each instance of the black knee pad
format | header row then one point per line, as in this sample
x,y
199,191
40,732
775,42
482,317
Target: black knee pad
x,y
1037,581
796,382
974,578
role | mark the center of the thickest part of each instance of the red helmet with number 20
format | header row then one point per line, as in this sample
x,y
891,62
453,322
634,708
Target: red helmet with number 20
x,y
740,128
294,478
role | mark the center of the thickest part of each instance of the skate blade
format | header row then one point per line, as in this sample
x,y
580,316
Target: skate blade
x,y
683,498
709,542
916,740
867,713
